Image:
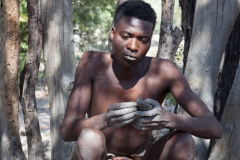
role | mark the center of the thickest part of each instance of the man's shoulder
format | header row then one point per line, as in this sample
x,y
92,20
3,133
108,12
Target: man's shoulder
x,y
164,69
95,57
93,61
160,64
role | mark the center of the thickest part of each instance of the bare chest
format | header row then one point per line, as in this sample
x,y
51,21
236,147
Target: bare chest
x,y
108,90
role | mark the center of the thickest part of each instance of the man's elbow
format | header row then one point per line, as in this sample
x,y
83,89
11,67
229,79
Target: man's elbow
x,y
65,135
219,132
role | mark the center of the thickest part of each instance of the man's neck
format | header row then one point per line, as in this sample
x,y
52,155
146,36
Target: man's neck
x,y
127,76
127,72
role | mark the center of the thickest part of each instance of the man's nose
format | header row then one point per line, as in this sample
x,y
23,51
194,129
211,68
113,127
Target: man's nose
x,y
133,44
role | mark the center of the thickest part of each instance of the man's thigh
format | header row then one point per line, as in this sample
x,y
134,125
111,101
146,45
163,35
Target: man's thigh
x,y
174,145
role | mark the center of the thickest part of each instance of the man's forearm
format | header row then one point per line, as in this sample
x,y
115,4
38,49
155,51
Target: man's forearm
x,y
204,127
73,127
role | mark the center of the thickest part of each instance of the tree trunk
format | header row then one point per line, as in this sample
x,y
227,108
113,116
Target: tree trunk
x,y
188,10
211,30
28,81
169,39
228,147
227,74
232,55
11,148
60,68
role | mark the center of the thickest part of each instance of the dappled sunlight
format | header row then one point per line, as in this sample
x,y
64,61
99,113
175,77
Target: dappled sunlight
x,y
10,139
207,95
4,138
228,146
209,34
60,68
42,101
212,26
211,30
5,144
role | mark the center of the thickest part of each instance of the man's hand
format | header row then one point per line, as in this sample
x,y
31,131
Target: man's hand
x,y
153,119
119,114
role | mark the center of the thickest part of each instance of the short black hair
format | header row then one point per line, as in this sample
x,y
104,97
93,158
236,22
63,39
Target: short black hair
x,y
135,8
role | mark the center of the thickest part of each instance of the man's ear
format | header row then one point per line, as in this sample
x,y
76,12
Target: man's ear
x,y
112,33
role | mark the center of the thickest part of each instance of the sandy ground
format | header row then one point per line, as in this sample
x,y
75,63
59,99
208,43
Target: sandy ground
x,y
44,120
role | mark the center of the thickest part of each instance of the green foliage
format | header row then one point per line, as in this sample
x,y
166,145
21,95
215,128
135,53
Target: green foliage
x,y
88,13
171,100
92,20
41,75
23,34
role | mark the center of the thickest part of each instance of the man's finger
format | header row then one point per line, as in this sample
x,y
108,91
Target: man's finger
x,y
118,125
143,120
146,113
138,126
117,113
122,105
125,117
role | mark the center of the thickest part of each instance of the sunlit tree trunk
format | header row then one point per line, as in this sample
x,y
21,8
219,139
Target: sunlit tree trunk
x,y
169,38
231,59
211,30
228,147
28,81
60,68
227,74
10,145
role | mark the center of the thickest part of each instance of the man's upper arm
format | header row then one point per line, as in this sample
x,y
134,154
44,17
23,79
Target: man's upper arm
x,y
182,92
80,96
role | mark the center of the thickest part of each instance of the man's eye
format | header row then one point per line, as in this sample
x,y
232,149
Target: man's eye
x,y
144,40
124,37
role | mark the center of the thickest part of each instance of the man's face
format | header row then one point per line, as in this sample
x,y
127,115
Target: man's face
x,y
131,40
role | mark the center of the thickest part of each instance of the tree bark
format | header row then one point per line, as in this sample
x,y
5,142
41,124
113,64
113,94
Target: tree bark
x,y
169,39
60,68
228,147
188,10
28,80
232,55
11,147
227,74
211,30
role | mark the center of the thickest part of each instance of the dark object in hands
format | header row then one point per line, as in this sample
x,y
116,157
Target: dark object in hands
x,y
143,105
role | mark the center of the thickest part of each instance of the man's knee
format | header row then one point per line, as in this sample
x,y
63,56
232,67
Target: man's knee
x,y
185,138
90,134
91,143
183,146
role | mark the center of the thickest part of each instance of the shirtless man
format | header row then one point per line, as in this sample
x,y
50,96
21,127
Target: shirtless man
x,y
106,88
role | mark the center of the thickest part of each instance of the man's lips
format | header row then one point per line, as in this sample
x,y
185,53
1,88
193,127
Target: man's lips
x,y
131,58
